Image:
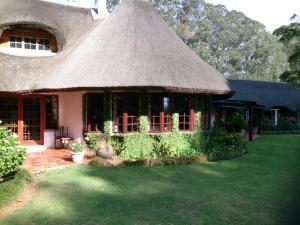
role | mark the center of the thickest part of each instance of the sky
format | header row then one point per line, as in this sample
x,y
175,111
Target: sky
x,y
272,13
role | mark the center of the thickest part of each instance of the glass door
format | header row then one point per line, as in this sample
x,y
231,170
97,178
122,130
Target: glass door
x,y
32,122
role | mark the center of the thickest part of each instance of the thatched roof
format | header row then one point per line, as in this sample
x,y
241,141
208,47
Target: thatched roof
x,y
133,47
266,94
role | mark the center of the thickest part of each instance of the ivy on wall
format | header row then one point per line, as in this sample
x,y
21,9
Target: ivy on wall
x,y
175,122
143,127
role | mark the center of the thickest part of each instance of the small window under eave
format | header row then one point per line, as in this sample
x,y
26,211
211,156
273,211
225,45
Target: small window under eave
x,y
28,42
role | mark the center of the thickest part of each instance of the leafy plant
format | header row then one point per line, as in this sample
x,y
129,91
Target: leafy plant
x,y
143,125
77,147
175,122
237,122
220,144
137,146
161,148
97,140
12,156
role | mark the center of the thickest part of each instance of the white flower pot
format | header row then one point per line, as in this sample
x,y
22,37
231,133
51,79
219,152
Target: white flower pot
x,y
77,157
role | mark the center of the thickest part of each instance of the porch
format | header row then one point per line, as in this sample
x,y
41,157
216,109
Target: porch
x,y
50,159
35,118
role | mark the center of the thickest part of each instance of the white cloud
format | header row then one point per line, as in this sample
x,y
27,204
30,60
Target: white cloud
x,y
272,14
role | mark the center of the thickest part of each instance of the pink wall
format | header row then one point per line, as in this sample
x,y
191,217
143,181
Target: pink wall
x,y
70,113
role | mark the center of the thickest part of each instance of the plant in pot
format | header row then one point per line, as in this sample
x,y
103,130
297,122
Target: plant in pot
x,y
237,122
77,152
104,148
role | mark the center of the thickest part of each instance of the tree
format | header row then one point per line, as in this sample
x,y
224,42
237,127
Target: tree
x,y
235,45
290,36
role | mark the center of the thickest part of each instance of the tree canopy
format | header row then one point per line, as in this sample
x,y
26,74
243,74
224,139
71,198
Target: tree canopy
x,y
290,36
234,44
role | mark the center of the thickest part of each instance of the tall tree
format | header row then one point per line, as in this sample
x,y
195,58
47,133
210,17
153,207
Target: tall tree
x,y
228,40
290,36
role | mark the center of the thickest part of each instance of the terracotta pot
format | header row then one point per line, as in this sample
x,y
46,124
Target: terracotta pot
x,y
77,157
105,153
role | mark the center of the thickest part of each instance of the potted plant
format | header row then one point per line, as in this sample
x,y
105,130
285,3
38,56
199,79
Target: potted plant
x,y
77,152
237,122
104,148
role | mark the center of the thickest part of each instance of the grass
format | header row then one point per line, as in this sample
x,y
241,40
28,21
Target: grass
x,y
10,189
259,188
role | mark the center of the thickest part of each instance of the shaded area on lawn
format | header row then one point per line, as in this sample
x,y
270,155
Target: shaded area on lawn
x,y
258,188
11,188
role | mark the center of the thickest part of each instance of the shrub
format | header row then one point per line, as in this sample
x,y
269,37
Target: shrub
x,y
222,145
179,144
137,146
161,147
237,122
94,140
267,124
143,125
11,155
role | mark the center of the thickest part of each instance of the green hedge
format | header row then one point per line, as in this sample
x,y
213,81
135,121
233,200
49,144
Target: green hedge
x,y
215,145
137,146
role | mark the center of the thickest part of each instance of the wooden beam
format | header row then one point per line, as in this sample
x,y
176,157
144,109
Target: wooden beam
x,y
192,120
125,122
162,121
250,122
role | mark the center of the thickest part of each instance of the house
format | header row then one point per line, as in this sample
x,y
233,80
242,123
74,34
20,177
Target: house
x,y
89,70
262,99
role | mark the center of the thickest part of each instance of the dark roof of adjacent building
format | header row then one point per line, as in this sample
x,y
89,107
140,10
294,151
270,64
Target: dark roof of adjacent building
x,y
265,93
132,47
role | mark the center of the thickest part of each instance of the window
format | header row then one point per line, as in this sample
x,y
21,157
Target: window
x,y
9,113
43,44
160,113
94,113
30,43
186,113
51,105
15,42
125,112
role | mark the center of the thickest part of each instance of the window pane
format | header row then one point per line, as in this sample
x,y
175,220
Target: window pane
x,y
95,119
125,112
15,42
43,44
9,113
30,43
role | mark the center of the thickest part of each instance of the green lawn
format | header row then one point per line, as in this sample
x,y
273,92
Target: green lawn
x,y
259,188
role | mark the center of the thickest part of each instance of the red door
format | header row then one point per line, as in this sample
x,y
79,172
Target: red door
x,y
31,120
